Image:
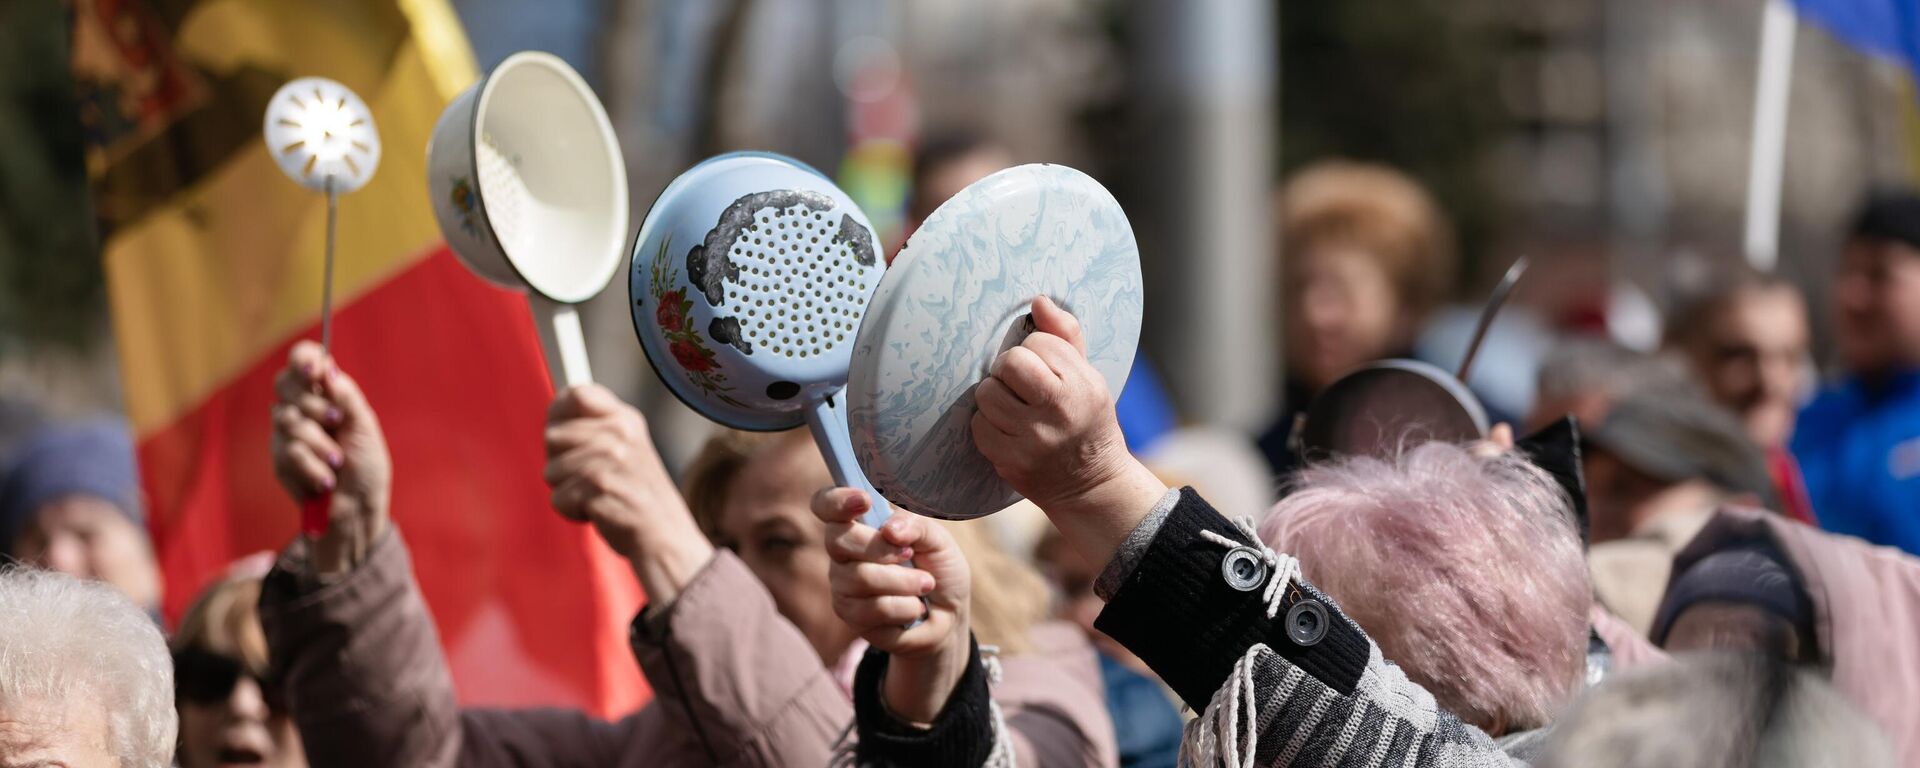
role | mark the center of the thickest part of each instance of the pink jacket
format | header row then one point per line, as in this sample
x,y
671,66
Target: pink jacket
x,y
735,684
1055,704
1630,649
1866,604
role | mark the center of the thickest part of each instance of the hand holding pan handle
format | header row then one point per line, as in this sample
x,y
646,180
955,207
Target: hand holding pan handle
x,y
829,428
749,279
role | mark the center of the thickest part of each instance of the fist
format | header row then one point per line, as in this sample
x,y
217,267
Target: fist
x,y
603,469
327,440
1045,418
878,592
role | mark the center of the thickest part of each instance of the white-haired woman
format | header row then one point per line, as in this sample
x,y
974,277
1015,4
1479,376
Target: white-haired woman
x,y
85,679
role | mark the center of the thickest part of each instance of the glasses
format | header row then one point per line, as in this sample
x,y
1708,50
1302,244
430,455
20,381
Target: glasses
x,y
201,676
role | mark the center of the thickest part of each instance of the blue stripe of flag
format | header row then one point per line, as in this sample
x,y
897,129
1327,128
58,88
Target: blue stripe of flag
x,y
1883,27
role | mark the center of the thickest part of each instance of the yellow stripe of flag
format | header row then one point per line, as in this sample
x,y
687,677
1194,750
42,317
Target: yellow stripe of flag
x,y
206,283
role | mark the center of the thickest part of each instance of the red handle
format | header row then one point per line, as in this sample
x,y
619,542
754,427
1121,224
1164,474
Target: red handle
x,y
313,514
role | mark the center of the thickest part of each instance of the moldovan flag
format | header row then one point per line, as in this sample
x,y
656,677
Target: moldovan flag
x,y
214,263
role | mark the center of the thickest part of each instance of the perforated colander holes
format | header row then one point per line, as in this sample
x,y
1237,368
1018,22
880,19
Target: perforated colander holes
x,y
819,322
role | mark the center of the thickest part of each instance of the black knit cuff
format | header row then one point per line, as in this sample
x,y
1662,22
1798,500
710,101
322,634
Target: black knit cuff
x,y
1178,613
962,734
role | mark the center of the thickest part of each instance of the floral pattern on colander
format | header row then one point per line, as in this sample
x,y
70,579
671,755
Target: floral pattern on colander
x,y
673,312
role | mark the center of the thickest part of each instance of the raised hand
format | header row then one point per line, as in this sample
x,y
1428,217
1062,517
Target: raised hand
x,y
880,597
1046,423
604,470
326,439
1045,417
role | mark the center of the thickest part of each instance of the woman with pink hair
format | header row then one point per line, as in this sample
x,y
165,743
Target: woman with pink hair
x,y
1465,570
1280,672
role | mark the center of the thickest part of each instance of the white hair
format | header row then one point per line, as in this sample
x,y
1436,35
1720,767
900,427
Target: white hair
x,y
63,638
1717,708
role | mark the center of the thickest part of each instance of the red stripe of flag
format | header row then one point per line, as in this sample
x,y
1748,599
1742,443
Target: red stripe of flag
x,y
530,608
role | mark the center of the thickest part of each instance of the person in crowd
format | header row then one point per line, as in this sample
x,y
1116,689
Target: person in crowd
x,y
1717,709
71,503
1144,718
1584,375
1757,582
750,493
1745,335
1413,547
1745,597
1281,676
84,676
736,681
230,714
350,642
1858,442
1657,467
942,165
1365,256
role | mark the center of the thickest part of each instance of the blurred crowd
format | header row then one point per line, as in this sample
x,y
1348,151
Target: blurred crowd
x,y
1701,555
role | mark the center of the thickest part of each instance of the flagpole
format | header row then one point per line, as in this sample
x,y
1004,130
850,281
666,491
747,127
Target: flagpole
x,y
1768,158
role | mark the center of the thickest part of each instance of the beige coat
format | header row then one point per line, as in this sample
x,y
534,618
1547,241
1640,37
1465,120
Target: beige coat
x,y
1630,575
735,684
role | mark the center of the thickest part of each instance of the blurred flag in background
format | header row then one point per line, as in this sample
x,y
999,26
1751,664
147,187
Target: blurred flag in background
x,y
213,263
1884,27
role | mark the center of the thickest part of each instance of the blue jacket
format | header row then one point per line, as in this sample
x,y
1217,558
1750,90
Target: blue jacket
x,y
1859,451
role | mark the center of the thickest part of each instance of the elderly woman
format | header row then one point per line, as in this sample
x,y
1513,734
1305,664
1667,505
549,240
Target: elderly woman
x,y
84,677
1465,570
229,714
1281,675
750,491
740,668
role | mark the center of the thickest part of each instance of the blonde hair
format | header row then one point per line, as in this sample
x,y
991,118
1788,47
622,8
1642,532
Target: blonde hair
x,y
225,619
709,477
1380,212
1009,596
